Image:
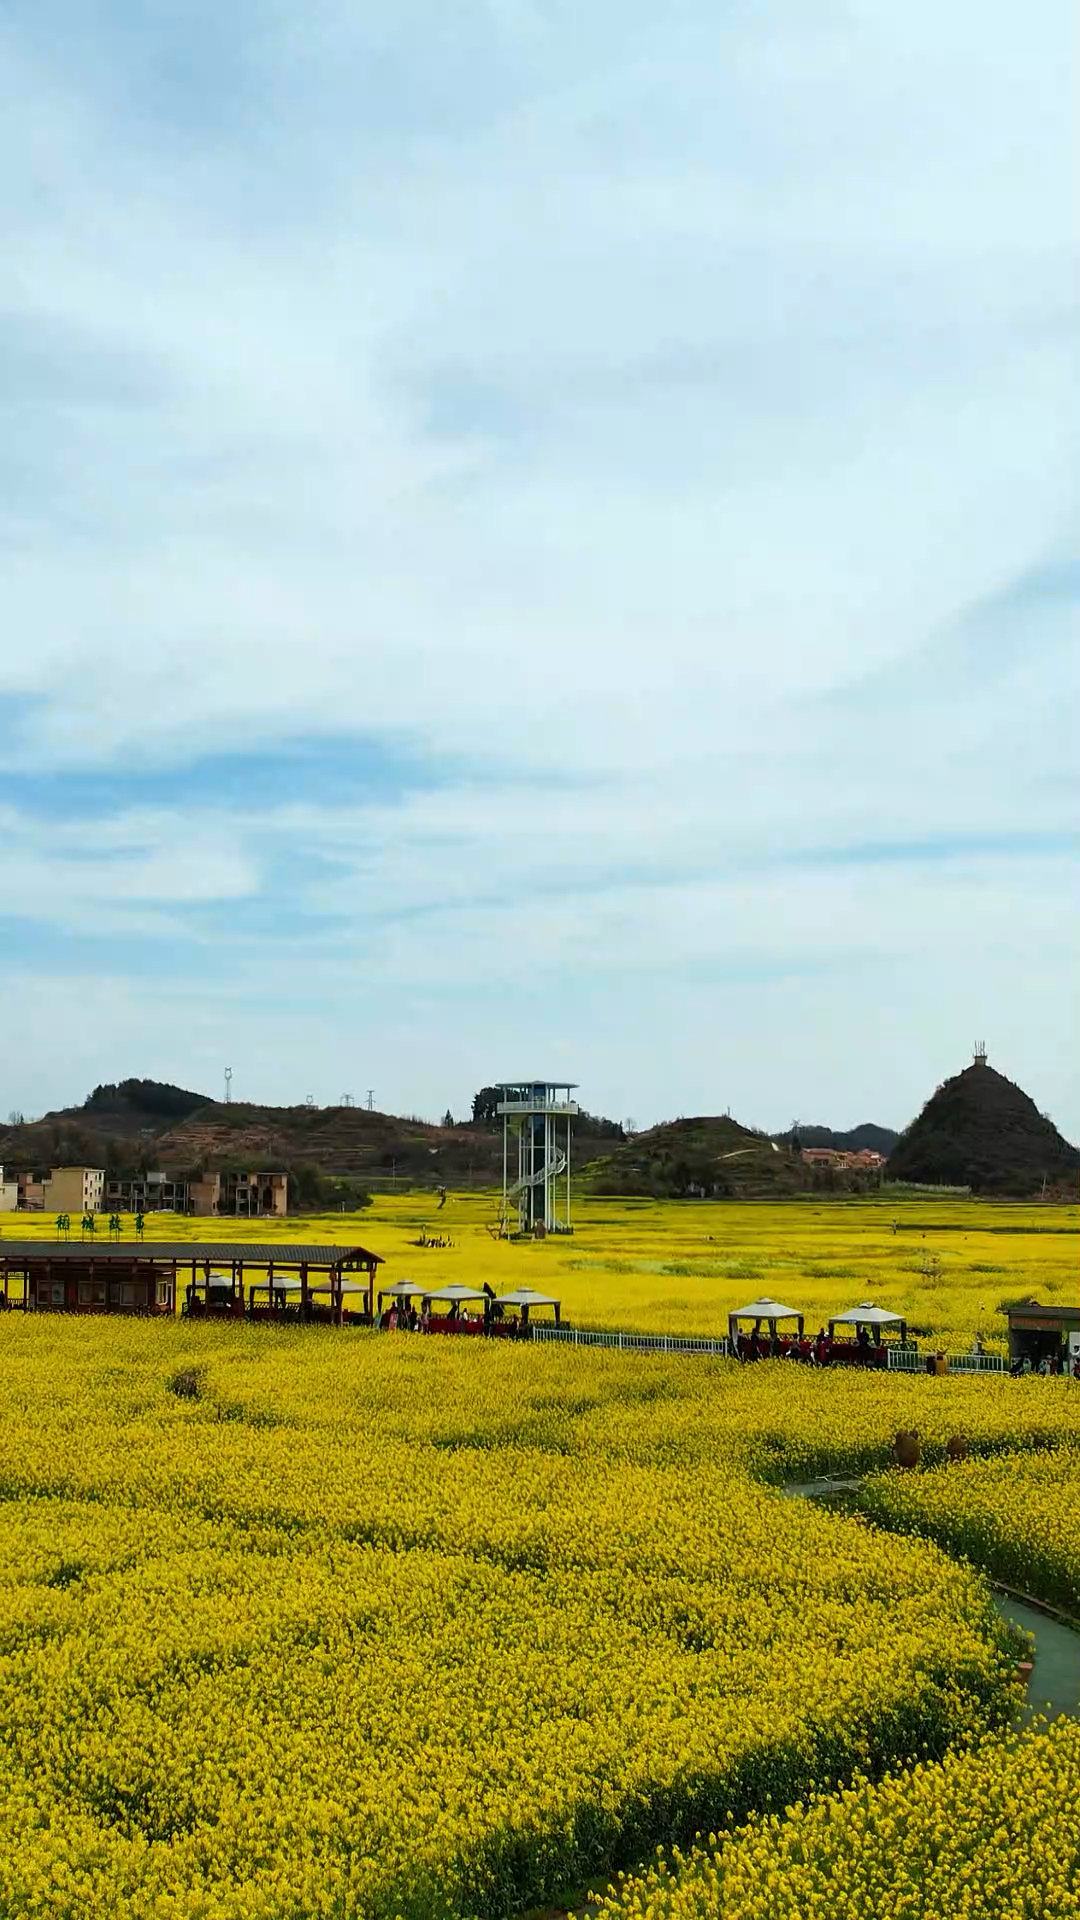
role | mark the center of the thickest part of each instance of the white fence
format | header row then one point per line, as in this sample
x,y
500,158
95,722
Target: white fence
x,y
908,1361
902,1359
905,1360
634,1342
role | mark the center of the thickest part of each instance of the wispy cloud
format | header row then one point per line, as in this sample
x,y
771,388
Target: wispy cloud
x,y
531,499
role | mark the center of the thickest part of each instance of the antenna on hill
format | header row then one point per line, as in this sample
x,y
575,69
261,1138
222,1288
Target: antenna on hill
x,y
347,1100
228,1086
309,1100
370,1101
979,1055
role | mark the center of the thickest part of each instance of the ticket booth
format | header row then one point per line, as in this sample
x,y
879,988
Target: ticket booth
x,y
1038,1333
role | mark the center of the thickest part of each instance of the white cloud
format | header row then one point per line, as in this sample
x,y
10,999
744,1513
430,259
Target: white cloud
x,y
594,396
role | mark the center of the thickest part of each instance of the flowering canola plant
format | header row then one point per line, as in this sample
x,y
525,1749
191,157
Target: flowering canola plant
x,y
384,1626
1019,1518
992,1834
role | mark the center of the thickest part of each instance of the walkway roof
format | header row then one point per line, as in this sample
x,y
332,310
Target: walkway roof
x,y
252,1253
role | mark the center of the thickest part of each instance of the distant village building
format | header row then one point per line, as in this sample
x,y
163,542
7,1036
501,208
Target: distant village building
x,y
9,1192
148,1193
865,1161
75,1190
31,1192
249,1195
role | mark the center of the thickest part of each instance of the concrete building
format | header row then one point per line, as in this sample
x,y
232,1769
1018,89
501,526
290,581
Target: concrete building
x,y
148,1193
31,1192
75,1190
9,1192
248,1195
254,1193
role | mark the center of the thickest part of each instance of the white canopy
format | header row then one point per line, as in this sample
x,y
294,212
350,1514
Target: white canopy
x,y
453,1293
766,1310
525,1297
343,1286
771,1310
401,1290
867,1315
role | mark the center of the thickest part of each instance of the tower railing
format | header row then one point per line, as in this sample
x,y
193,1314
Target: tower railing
x,y
537,1118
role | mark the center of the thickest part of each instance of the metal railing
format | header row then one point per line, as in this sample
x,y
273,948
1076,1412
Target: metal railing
x,y
905,1360
635,1342
900,1359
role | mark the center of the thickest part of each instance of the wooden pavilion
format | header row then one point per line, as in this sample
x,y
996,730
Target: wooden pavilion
x,y
148,1277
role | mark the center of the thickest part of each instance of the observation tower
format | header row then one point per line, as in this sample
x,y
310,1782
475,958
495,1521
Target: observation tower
x,y
537,1116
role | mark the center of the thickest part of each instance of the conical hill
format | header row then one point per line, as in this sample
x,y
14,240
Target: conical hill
x,y
980,1130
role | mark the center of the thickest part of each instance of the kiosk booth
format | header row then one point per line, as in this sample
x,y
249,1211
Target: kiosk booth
x,y
1038,1333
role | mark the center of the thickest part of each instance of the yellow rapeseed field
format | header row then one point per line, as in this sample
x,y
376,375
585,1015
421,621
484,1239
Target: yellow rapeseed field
x,y
988,1835
680,1266
1019,1519
374,1625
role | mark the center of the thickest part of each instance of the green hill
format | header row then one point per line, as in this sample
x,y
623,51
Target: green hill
x,y
980,1130
704,1158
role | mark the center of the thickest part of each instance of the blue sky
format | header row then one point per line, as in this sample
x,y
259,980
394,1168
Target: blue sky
x,y
535,533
